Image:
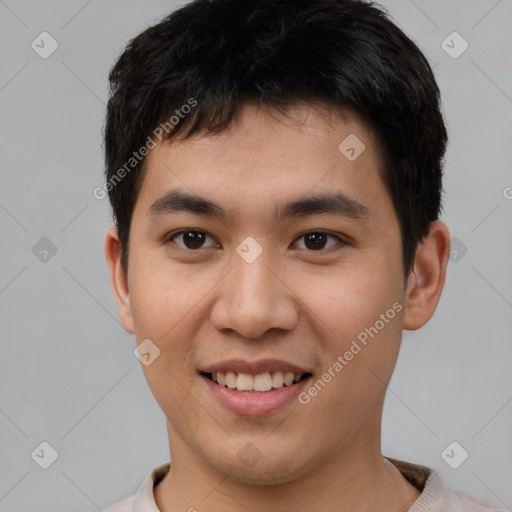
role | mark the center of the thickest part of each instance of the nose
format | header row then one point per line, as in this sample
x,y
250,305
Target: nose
x,y
253,299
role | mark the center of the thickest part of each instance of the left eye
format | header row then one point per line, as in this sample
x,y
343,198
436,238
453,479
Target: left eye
x,y
191,239
313,240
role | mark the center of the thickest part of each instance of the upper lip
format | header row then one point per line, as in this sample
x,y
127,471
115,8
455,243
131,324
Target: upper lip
x,y
254,367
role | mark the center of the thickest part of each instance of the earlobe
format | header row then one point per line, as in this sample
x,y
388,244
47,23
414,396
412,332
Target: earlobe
x,y
118,278
426,280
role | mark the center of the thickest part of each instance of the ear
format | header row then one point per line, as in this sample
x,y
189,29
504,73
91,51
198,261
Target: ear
x,y
118,279
426,280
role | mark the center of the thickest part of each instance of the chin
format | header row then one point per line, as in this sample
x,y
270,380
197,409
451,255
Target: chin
x,y
263,476
253,467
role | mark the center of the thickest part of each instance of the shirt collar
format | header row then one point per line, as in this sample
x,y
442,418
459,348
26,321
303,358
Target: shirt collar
x,y
145,499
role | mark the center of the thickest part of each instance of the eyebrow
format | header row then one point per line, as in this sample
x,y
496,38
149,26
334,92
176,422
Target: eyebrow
x,y
336,204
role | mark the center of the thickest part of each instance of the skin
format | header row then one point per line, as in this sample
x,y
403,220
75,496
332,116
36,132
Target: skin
x,y
304,306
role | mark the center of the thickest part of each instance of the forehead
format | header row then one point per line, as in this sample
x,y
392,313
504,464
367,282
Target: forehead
x,y
265,157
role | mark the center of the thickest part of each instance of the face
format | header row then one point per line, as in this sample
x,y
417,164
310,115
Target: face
x,y
284,257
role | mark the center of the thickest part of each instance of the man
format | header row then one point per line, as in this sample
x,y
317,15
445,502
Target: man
x,y
275,173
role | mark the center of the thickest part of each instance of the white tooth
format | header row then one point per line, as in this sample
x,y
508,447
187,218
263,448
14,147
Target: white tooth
x,y
214,377
231,380
288,378
262,382
277,380
221,378
297,377
244,382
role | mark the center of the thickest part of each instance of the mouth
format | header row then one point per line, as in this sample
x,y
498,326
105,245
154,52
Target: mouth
x,y
256,383
254,388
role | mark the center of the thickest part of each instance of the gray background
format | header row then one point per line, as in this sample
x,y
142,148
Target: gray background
x,y
67,369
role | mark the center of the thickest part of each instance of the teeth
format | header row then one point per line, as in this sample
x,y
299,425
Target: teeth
x,y
262,382
288,378
255,383
230,380
244,382
277,380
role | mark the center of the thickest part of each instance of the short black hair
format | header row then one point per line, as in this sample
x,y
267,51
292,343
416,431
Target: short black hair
x,y
214,56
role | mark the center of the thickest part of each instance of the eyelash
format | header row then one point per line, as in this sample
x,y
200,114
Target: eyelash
x,y
340,241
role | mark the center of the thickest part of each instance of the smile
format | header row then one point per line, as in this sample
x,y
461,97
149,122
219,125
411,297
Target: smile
x,y
259,383
262,398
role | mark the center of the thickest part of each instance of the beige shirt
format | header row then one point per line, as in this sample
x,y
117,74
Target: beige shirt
x,y
435,496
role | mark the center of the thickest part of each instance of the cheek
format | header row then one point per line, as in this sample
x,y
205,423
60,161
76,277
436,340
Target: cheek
x,y
361,315
163,296
164,309
353,298
357,368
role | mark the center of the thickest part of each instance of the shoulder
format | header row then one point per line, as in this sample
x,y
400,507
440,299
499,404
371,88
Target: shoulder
x,y
459,502
125,505
436,496
443,498
143,500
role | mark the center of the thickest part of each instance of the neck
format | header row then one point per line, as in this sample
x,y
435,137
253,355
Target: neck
x,y
355,478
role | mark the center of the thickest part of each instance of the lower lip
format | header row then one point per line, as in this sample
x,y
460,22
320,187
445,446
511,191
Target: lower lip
x,y
255,404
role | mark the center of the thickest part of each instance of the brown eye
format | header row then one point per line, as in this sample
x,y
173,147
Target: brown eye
x,y
191,239
318,240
